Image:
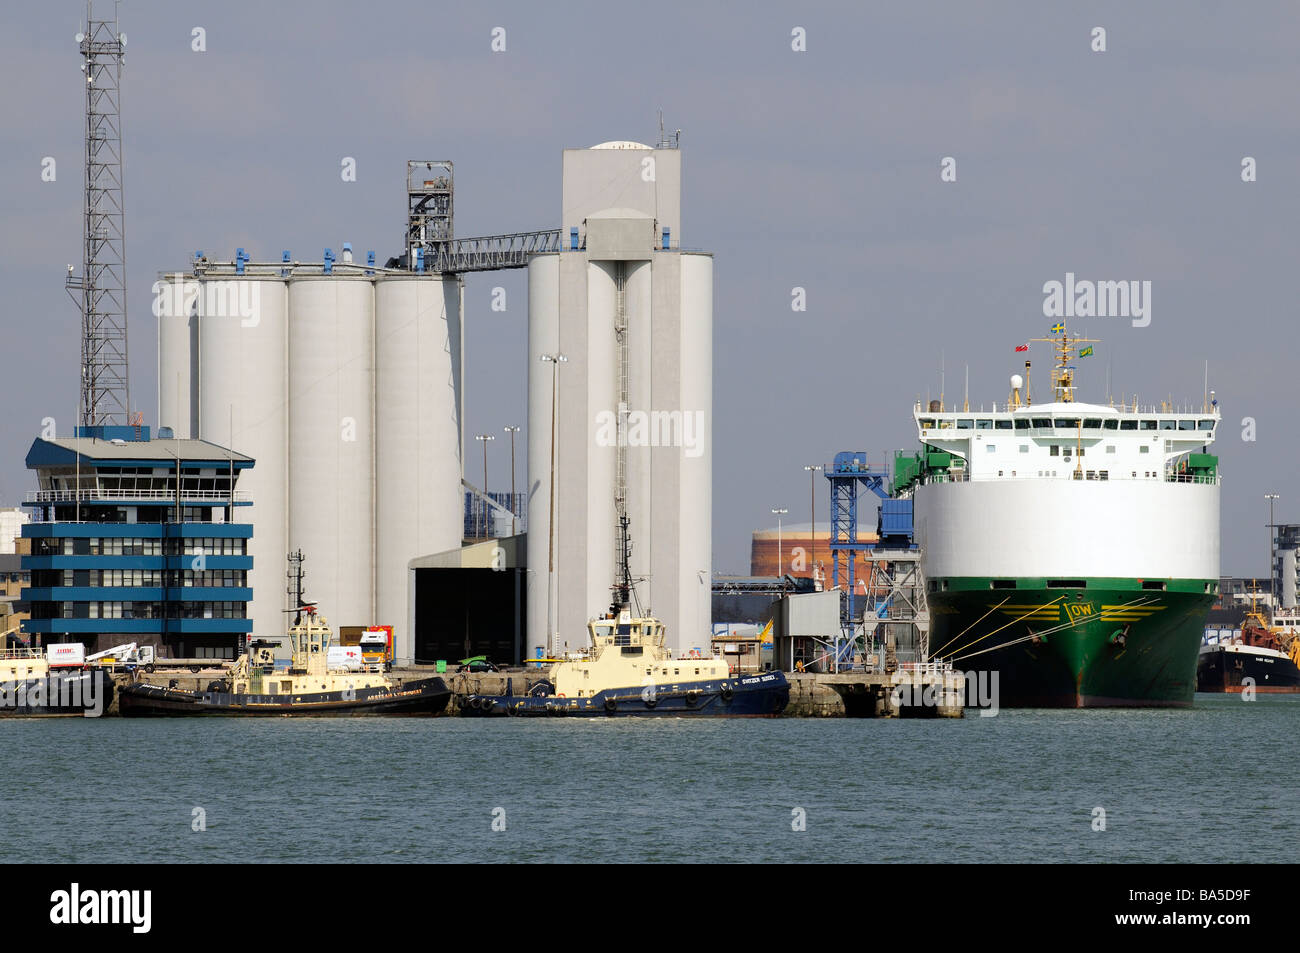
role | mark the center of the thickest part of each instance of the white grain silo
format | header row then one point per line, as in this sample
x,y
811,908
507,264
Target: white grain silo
x,y
343,383
331,441
178,351
633,317
241,386
418,507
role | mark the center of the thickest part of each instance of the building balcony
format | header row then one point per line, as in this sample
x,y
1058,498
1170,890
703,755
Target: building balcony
x,y
96,495
90,627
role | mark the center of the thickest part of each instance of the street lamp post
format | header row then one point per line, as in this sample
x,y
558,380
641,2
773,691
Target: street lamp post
x,y
555,360
1272,549
513,513
483,438
813,470
779,513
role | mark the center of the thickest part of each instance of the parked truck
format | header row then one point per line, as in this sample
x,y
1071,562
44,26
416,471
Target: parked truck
x,y
66,655
124,658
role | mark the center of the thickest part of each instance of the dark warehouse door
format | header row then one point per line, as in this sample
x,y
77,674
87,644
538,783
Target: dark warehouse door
x,y
464,612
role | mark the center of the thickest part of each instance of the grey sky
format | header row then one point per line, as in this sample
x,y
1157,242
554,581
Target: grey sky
x,y
817,169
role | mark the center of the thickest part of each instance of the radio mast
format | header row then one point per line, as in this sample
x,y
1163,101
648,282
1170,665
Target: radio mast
x,y
100,289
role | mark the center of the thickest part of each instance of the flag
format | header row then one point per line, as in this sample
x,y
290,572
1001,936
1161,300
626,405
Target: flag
x,y
1022,347
1058,327
1086,352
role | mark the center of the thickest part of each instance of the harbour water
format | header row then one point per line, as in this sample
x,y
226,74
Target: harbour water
x,y
1210,784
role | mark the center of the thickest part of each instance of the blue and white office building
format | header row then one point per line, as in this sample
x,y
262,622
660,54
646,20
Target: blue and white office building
x,y
138,540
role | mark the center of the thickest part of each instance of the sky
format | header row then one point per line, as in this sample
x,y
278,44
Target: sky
x,y
818,169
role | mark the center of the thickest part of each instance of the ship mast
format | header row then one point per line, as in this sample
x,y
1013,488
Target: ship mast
x,y
1063,370
623,587
295,575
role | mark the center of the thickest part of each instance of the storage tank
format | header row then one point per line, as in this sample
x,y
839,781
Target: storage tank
x,y
241,400
418,508
696,459
178,328
331,442
543,339
624,272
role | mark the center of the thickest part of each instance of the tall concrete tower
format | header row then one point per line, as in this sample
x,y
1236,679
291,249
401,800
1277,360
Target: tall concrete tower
x,y
620,401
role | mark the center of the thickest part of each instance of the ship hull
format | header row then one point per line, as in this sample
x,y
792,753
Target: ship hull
x,y
58,695
755,696
425,697
1106,643
1222,668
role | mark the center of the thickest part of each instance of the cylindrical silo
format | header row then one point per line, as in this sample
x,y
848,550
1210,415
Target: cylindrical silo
x,y
331,432
696,507
644,386
543,339
177,353
603,315
242,391
417,435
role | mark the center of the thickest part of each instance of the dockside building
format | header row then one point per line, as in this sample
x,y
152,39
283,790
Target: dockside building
x,y
138,540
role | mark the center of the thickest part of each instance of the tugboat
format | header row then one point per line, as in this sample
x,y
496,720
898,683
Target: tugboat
x,y
309,687
29,686
1268,656
628,671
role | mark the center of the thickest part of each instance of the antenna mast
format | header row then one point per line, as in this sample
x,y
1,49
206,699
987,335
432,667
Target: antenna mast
x,y
1063,370
100,289
295,575
623,588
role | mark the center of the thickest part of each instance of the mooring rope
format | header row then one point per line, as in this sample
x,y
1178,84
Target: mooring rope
x,y
1021,618
1136,603
992,609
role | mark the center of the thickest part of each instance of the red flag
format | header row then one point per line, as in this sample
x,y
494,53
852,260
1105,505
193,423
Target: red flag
x,y
1022,347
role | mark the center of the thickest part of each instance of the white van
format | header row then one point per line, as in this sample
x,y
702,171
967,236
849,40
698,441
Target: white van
x,y
345,658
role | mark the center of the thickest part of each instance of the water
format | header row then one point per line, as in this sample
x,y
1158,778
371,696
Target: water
x,y
1213,784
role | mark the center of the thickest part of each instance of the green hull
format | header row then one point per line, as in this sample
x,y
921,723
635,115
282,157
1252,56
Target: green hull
x,y
1105,643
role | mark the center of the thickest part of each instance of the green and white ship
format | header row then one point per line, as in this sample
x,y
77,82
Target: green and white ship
x,y
1071,547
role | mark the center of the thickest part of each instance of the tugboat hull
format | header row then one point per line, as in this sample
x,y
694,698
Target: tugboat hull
x,y
1225,668
58,695
425,697
756,696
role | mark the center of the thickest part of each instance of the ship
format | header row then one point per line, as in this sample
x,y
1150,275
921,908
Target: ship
x,y
254,686
1263,658
30,686
628,671
1070,547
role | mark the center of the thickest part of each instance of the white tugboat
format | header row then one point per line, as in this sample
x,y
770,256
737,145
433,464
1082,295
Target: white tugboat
x,y
253,686
628,671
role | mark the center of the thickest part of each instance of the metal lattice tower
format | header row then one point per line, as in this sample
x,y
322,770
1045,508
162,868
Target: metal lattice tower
x,y
430,188
100,289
